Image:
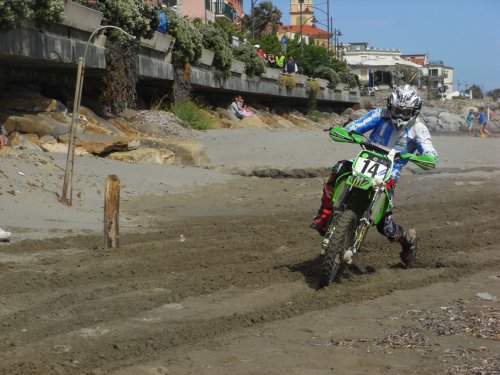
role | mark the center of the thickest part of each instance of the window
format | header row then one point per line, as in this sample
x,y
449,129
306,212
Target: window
x,y
433,72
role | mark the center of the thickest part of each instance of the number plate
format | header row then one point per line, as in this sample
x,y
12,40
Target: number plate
x,y
371,166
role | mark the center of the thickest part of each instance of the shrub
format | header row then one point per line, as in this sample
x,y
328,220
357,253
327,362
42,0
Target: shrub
x,y
328,74
351,80
47,11
215,39
192,114
287,80
254,66
13,12
313,87
189,41
139,18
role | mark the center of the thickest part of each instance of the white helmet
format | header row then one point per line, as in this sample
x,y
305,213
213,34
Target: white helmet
x,y
404,105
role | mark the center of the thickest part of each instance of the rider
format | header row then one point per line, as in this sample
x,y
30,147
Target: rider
x,y
395,127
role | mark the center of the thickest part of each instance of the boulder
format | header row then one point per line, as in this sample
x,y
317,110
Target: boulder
x,y
27,142
37,124
151,155
250,122
187,152
32,104
225,114
101,145
61,148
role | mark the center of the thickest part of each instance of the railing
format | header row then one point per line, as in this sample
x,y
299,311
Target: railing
x,y
226,10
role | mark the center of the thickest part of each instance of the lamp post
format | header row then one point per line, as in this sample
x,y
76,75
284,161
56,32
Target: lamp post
x,y
336,34
327,13
254,2
70,158
301,24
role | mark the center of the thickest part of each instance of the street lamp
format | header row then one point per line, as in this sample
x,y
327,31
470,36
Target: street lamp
x,y
336,34
302,24
70,158
254,2
327,18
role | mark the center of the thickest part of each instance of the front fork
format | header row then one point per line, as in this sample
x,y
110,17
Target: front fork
x,y
361,229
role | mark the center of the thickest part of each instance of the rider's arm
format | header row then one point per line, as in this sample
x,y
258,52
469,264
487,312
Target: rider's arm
x,y
367,122
424,142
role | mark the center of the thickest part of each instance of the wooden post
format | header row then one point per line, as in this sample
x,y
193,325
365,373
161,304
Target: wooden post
x,y
111,211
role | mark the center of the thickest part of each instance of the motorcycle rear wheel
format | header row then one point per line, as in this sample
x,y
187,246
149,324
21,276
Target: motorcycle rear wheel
x,y
332,263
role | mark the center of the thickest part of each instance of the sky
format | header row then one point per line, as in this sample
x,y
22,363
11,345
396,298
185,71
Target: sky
x,y
463,34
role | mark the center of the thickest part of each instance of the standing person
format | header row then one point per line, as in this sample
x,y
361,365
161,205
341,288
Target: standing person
x,y
93,4
482,123
271,60
235,107
470,119
163,24
291,67
260,52
4,235
395,127
280,61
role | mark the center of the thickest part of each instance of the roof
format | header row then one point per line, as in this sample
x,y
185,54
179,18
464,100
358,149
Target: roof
x,y
375,61
306,30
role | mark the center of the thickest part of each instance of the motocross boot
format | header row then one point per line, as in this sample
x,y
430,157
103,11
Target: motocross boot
x,y
320,221
408,243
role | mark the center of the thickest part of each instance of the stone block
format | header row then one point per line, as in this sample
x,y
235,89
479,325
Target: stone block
x,y
81,17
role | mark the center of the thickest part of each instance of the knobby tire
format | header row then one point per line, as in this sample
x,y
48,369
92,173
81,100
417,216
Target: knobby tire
x,y
332,264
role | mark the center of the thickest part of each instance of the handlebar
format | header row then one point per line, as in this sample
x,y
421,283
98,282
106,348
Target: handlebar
x,y
339,134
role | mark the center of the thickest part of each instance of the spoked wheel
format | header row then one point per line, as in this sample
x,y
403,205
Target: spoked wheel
x,y
332,263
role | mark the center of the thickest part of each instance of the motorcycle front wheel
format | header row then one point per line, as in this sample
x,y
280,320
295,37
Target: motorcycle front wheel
x,y
332,263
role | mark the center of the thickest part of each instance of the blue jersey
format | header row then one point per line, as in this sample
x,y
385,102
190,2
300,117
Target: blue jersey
x,y
415,138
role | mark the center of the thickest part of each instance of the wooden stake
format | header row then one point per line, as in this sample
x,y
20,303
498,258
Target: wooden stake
x,y
111,211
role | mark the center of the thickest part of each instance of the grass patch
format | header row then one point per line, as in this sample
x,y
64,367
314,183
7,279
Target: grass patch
x,y
316,116
193,115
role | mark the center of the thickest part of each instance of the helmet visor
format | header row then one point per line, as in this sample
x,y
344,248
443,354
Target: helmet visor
x,y
401,112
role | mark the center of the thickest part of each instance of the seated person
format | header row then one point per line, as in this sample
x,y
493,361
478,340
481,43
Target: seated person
x,y
235,108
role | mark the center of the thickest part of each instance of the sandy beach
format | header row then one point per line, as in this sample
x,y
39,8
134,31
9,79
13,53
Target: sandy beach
x,y
239,295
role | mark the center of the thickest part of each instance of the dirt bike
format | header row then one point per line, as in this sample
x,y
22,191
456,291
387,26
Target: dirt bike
x,y
360,199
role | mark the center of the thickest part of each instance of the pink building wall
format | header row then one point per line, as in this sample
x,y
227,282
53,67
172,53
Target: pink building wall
x,y
194,9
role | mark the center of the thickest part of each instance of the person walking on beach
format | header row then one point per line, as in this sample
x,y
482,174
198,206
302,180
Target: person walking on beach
x,y
482,123
470,119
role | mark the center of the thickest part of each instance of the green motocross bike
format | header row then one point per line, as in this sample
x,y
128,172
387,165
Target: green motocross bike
x,y
360,200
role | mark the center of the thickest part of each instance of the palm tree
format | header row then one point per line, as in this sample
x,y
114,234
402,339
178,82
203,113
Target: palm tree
x,y
266,20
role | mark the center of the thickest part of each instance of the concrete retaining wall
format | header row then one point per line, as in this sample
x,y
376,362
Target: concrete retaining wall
x,y
52,47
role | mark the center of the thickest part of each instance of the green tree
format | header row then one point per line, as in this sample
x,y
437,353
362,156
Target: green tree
x,y
266,20
477,93
269,43
495,94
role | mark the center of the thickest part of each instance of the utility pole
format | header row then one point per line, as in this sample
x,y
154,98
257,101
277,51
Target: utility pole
x,y
300,20
253,3
328,25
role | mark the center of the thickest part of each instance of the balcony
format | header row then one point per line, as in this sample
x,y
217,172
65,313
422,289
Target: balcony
x,y
227,11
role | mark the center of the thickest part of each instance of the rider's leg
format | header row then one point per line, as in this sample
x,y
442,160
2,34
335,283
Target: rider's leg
x,y
321,219
396,233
